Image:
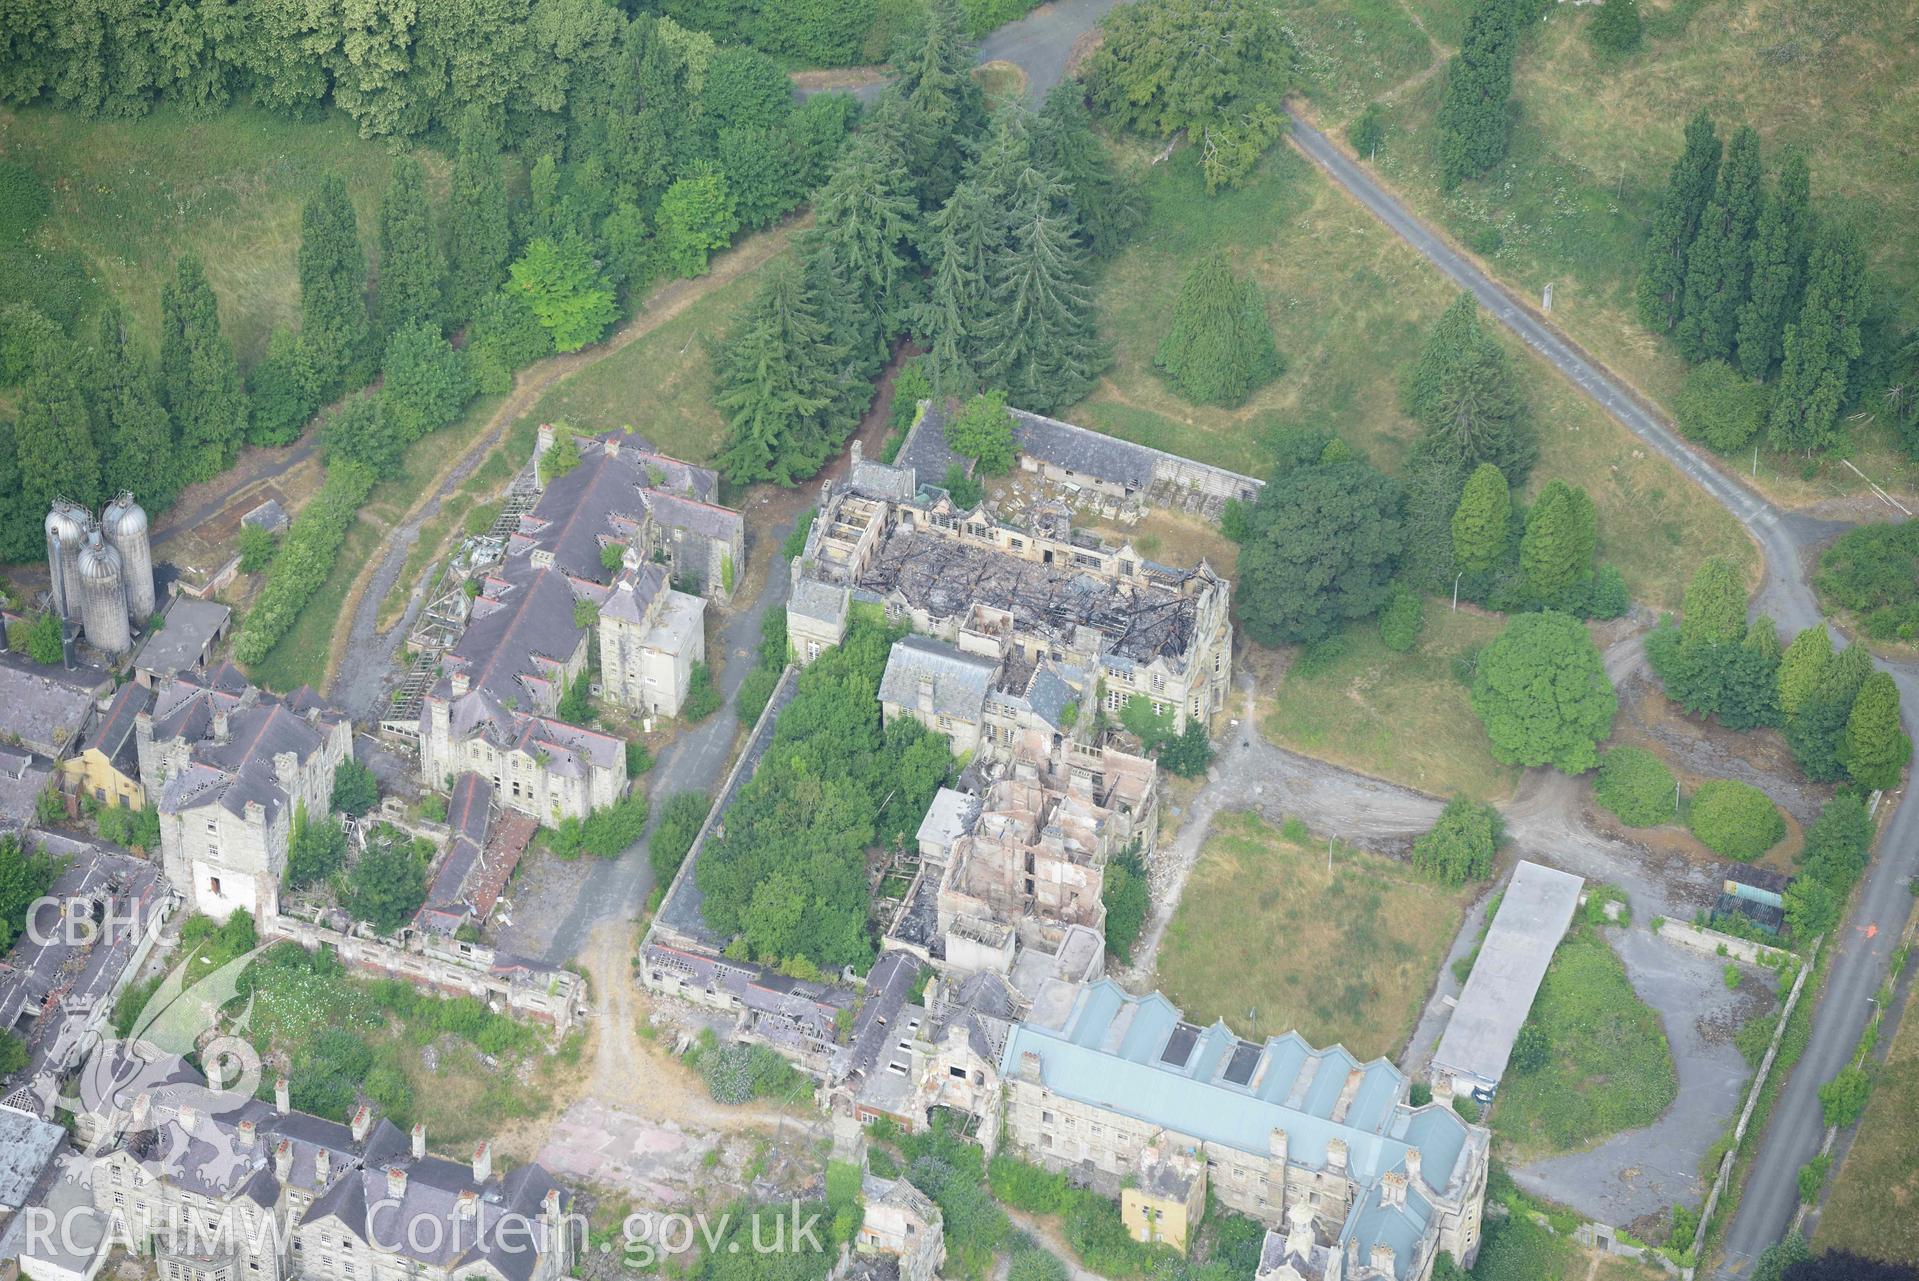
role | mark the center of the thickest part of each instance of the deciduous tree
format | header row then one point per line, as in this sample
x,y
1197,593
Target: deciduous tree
x,y
1541,691
982,430
562,286
1324,543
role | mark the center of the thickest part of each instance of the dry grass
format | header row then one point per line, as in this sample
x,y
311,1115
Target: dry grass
x,y
1253,942
1869,1209
1403,717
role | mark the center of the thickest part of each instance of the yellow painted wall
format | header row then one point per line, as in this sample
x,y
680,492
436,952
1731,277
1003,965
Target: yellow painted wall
x,y
94,775
1151,1218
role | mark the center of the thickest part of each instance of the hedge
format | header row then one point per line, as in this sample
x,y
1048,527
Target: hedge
x,y
1636,786
306,559
1735,819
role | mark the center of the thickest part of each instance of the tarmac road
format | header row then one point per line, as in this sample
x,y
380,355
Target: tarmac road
x,y
1860,954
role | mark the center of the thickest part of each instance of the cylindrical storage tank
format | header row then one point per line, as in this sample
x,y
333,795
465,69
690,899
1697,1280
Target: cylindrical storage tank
x,y
103,597
125,525
66,535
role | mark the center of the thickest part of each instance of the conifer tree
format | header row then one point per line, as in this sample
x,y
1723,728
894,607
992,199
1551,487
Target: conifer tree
x,y
477,243
1674,225
776,380
1778,269
1475,114
1816,732
135,434
1803,666
866,215
1556,551
1715,608
411,268
1434,489
1719,262
333,315
1820,347
198,375
1466,394
54,435
1874,749
1066,147
1220,346
1483,520
1040,342
280,391
941,104
968,232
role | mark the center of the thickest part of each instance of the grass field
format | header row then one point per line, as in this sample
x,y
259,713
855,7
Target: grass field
x,y
1405,717
1868,1210
1595,137
130,196
661,385
1609,1067
1253,944
1349,305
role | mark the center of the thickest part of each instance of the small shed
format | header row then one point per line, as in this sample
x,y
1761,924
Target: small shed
x,y
269,516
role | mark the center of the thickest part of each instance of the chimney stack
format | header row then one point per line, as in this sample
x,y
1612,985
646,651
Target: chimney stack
x,y
219,722
858,453
216,1075
362,1123
142,1111
282,1096
249,1130
283,1160
1382,1259
322,1166
1392,1189
1412,1168
1299,1230
926,693
187,1119
459,684
483,1162
1336,1155
396,1183
1276,1144
551,1204
468,1204
419,1140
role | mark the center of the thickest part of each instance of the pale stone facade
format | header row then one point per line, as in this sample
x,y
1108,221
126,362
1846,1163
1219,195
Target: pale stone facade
x,y
650,638
902,1222
231,767
543,768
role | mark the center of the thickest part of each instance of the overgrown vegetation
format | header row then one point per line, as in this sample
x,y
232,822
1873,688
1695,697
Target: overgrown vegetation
x,y
736,1072
1636,786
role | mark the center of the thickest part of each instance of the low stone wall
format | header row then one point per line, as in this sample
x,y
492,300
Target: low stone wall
x,y
524,990
1713,943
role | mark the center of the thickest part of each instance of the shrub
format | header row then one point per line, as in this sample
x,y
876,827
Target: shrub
x,y
1125,895
355,790
1635,785
1812,1177
1532,1049
1843,1098
1367,133
257,549
1616,27
1320,657
1719,406
638,759
1732,977
1460,846
680,821
1735,819
702,699
1402,619
24,201
305,560
1027,1187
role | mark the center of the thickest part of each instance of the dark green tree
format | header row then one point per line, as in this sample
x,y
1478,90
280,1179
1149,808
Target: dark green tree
x,y
333,313
477,237
1720,406
54,437
1874,749
1780,245
1460,845
1065,145
1324,542
412,271
280,391
1219,349
1556,551
199,378
1820,347
967,233
777,379
1719,261
983,431
1817,730
1616,28
940,104
1675,223
1041,342
866,215
134,431
1714,612
387,885
1476,113
1465,392
1482,524
425,383
1542,693
355,789
26,874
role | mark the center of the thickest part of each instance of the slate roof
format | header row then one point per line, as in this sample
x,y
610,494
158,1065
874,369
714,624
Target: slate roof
x,y
950,816
609,493
27,1147
960,682
45,707
705,519
1079,450
112,736
190,628
812,598
521,632
469,814
888,985
634,592
239,769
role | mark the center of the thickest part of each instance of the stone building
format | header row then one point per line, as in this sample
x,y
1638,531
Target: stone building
x,y
107,766
229,767
230,1188
650,638
902,1223
1092,1087
1058,614
1166,1196
541,767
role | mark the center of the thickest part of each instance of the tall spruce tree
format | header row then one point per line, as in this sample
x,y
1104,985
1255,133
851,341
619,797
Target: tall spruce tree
x,y
1874,748
1689,190
333,314
867,214
1820,347
1556,551
1435,487
198,375
776,379
1719,263
1816,733
1802,667
477,236
1483,521
1715,607
968,234
1040,342
941,104
1220,346
54,435
412,270
136,435
1778,269
1475,113
1065,145
1466,394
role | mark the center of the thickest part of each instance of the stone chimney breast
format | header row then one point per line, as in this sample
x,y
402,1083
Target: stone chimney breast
x,y
1382,1259
282,1096
362,1123
396,1183
483,1162
283,1160
419,1141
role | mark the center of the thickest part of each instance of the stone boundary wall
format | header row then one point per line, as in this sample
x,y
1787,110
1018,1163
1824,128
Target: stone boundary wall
x,y
1712,941
524,990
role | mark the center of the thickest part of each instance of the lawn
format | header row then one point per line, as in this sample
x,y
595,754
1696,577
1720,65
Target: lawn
x,y
660,385
130,196
1253,943
1868,1208
1341,291
1608,1068
1406,717
1595,137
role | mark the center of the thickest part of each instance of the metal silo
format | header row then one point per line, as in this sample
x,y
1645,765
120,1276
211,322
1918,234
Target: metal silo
x,y
103,597
65,535
125,524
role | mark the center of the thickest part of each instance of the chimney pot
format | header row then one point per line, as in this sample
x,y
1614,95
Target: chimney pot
x,y
396,1183
1336,1154
322,1166
1276,1144
248,1130
483,1162
142,1110
282,1096
552,1203
468,1204
362,1123
1382,1259
459,684
1413,1175
419,1140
